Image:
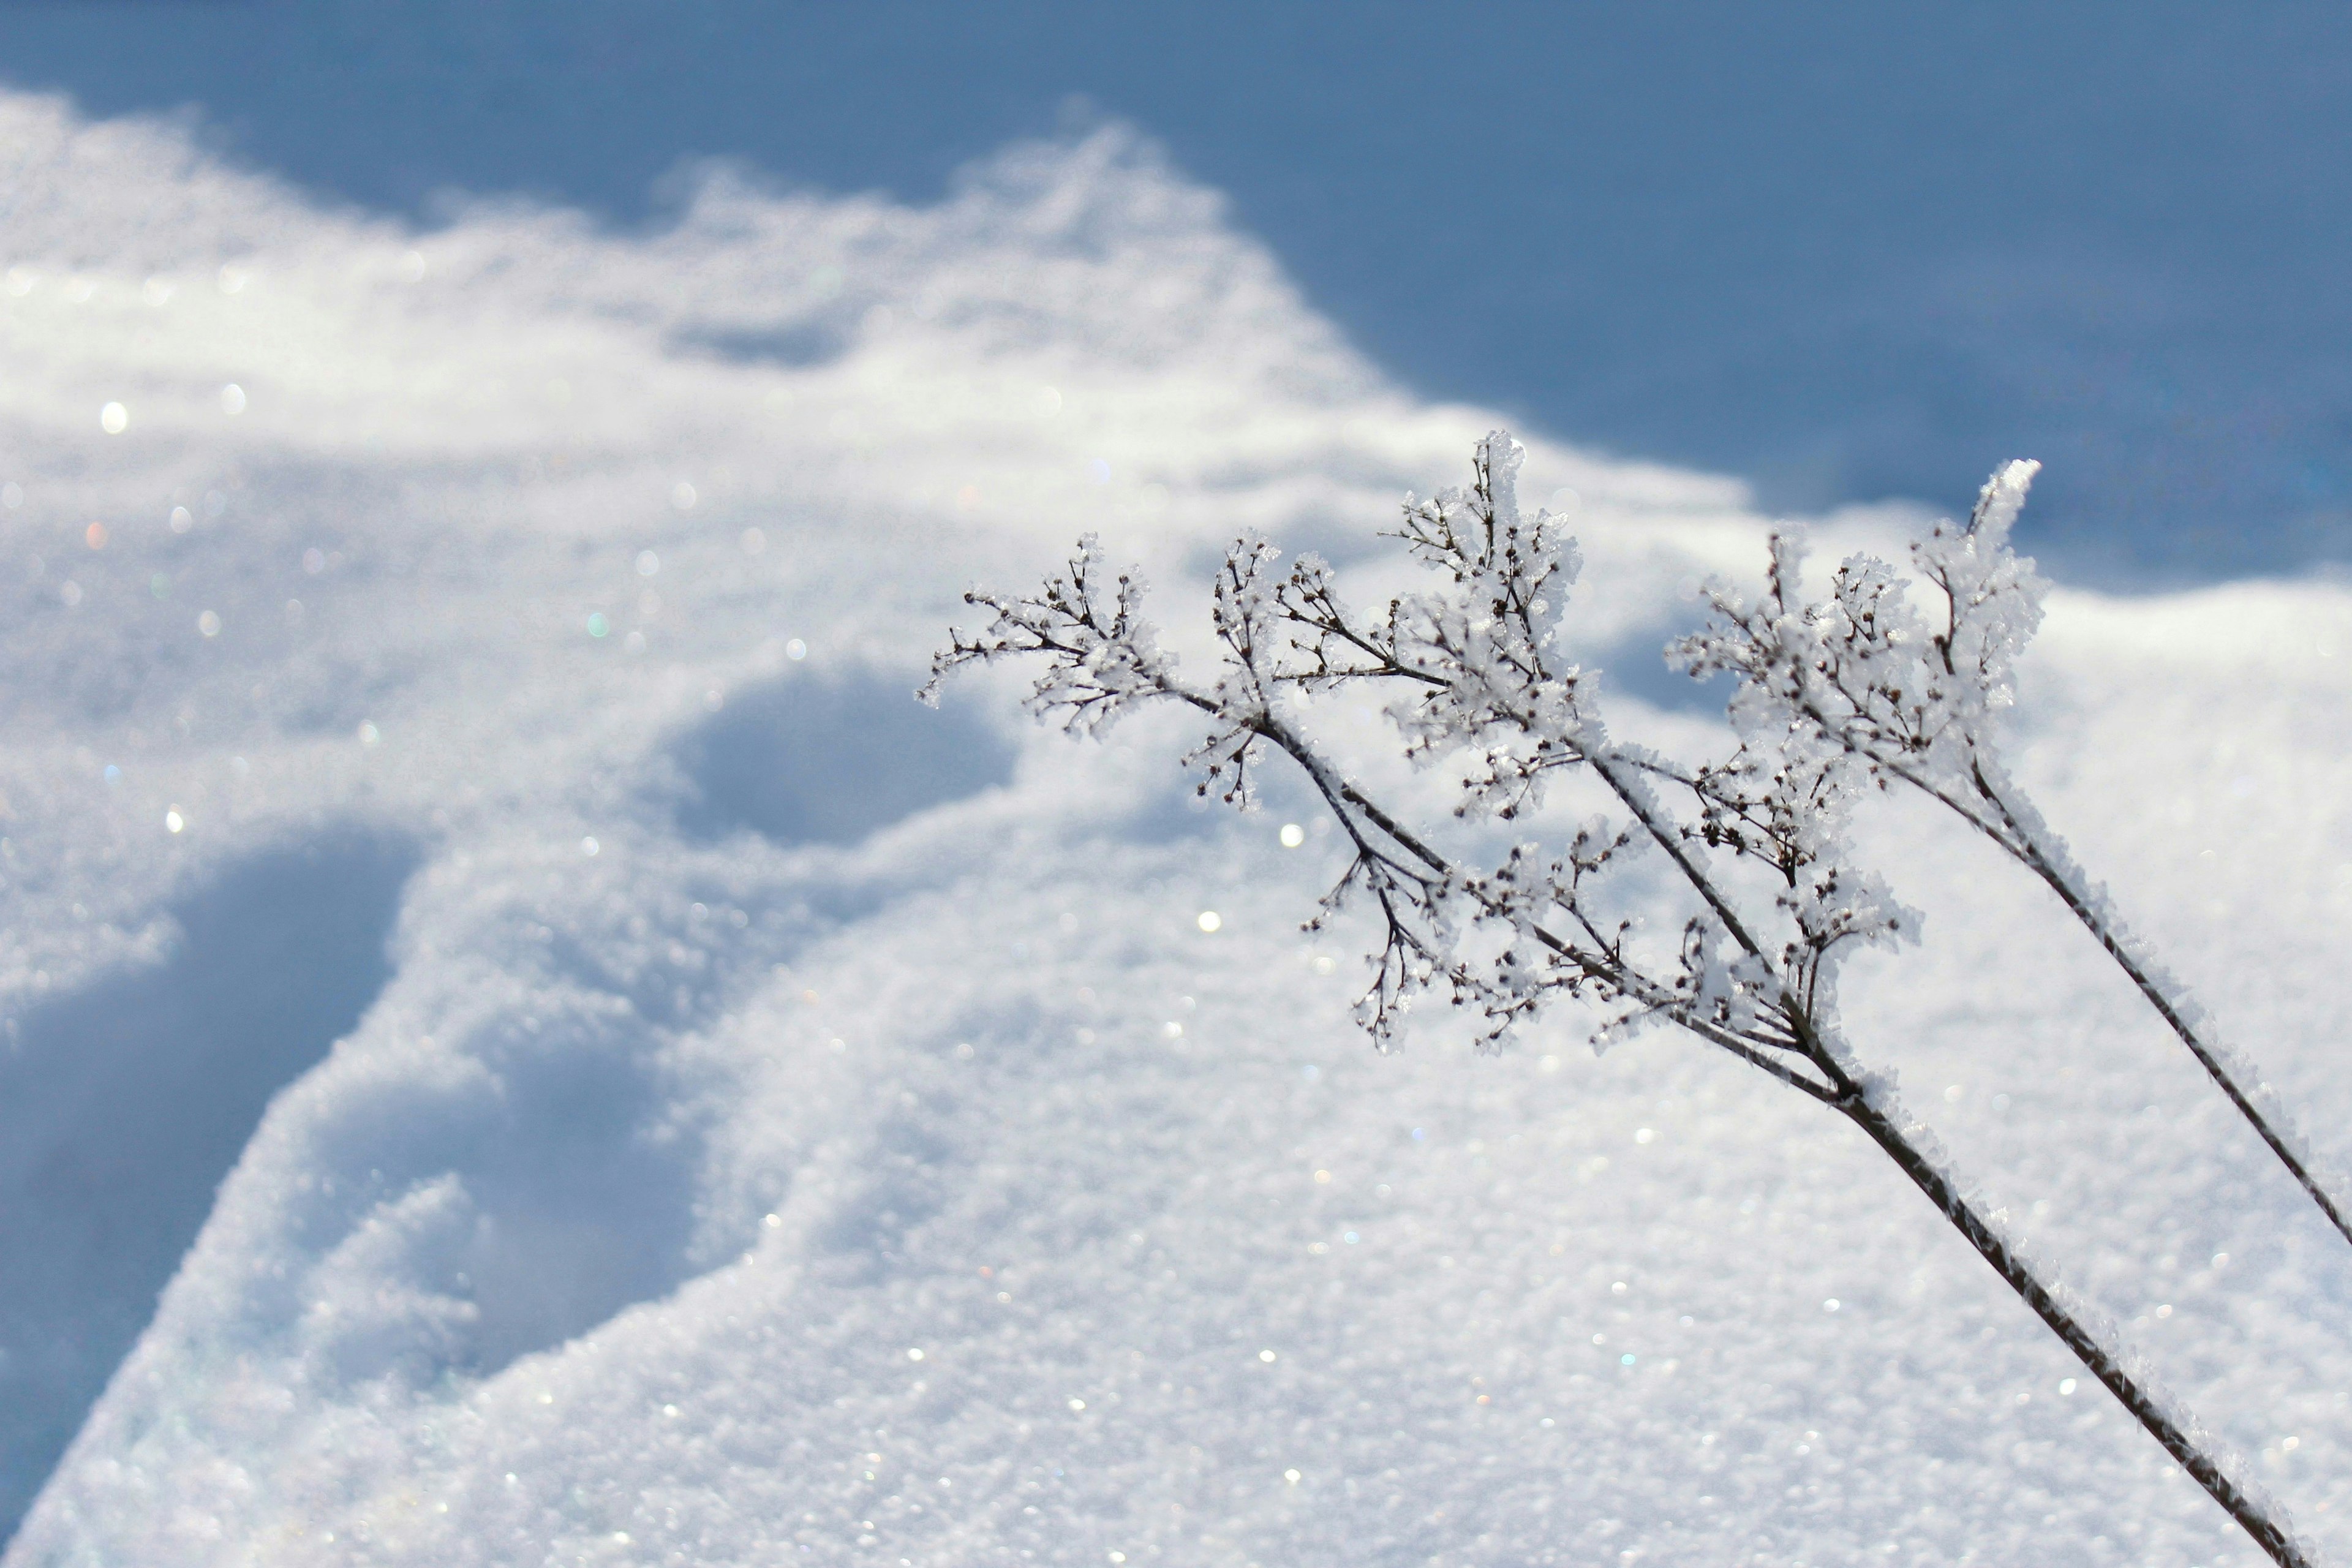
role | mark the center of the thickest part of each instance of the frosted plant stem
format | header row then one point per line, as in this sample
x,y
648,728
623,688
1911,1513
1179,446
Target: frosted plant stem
x,y
1865,671
1754,980
2103,1361
1342,797
1843,1093
1851,1100
2056,869
2015,830
1625,781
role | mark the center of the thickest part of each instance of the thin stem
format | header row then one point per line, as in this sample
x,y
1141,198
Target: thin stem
x,y
1667,834
1335,791
2017,839
2145,1407
1798,1009
1847,1096
2021,843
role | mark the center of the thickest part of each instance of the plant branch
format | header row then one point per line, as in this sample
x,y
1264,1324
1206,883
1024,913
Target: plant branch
x,y
1480,659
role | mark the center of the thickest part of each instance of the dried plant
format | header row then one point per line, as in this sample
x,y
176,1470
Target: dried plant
x,y
1478,675
1911,694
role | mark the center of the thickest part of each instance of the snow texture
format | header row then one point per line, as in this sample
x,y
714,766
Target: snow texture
x,y
597,1074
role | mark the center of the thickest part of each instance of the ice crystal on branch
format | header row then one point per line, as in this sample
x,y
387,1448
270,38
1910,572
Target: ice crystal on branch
x,y
1834,696
1481,680
1910,693
1101,658
1867,670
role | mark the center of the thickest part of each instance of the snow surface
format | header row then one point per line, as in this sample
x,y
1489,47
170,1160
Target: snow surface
x,y
712,1110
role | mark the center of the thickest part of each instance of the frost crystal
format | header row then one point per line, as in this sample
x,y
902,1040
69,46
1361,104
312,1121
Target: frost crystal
x,y
1868,678
1861,687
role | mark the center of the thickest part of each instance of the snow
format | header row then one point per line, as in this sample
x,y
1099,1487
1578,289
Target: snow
x,y
674,1099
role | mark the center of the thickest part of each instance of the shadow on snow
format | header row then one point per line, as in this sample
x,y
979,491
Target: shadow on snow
x,y
126,1103
813,758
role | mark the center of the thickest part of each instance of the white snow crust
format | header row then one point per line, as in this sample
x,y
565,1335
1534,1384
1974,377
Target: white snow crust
x,y
712,1110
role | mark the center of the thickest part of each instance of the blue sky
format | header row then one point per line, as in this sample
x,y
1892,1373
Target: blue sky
x,y
1848,252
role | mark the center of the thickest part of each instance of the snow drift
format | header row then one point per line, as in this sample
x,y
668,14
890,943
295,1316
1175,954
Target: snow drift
x,y
671,1099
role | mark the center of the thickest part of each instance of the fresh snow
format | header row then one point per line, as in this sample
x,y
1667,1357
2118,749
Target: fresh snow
x,y
673,1098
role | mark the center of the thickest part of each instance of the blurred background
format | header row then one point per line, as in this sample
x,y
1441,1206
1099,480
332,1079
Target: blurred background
x,y
1846,252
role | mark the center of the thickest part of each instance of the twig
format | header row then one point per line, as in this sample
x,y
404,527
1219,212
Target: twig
x,y
1481,668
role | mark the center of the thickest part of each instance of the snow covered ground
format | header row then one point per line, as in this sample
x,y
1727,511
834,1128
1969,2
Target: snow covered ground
x,y
672,1099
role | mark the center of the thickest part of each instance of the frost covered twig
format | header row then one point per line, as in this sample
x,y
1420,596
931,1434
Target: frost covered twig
x,y
1913,696
1478,675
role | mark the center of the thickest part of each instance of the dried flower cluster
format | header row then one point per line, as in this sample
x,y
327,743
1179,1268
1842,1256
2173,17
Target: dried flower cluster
x,y
1911,694
1859,691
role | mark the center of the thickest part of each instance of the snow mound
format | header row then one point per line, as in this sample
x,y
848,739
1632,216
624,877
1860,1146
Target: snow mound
x,y
672,1099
